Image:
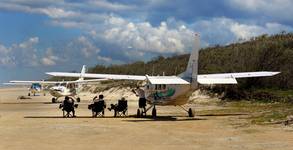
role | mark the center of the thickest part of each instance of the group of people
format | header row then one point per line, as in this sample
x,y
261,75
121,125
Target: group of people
x,y
68,105
98,105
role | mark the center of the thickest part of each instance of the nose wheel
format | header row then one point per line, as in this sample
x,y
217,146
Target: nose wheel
x,y
54,100
191,112
154,112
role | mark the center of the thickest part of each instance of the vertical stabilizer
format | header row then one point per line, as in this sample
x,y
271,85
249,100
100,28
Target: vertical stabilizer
x,y
82,73
191,72
81,78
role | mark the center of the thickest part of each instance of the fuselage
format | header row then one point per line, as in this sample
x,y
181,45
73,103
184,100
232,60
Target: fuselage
x,y
36,88
167,94
61,91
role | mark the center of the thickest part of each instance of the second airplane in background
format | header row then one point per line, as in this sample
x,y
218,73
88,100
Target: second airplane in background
x,y
60,89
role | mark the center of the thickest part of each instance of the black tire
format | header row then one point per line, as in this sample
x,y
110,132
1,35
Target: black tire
x,y
78,99
115,113
53,100
190,112
138,114
29,94
154,113
34,94
44,94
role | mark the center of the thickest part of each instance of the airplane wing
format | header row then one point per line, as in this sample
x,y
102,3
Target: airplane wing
x,y
223,78
18,82
100,76
230,78
30,82
85,81
166,80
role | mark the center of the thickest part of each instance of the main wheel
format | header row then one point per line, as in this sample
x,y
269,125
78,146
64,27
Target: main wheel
x,y
138,113
29,94
154,113
190,112
44,94
53,100
78,99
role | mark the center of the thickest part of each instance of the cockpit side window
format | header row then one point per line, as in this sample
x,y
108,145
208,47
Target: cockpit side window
x,y
159,87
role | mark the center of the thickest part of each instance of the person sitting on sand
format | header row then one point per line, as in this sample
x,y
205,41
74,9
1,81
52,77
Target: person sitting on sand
x,y
68,105
96,99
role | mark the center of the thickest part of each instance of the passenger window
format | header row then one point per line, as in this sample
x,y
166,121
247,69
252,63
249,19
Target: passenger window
x,y
159,87
164,86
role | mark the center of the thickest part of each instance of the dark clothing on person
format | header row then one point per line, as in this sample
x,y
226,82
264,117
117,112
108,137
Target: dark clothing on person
x,y
68,105
142,103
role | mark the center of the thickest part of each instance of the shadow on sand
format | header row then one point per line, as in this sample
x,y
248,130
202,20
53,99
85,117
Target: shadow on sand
x,y
99,117
23,102
133,118
165,118
223,114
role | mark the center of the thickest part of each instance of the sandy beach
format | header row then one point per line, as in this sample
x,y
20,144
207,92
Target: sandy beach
x,y
38,124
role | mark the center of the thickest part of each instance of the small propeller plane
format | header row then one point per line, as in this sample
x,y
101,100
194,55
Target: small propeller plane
x,y
174,90
33,88
59,88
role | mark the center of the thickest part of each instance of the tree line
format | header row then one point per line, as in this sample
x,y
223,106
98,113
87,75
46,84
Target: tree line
x,y
263,53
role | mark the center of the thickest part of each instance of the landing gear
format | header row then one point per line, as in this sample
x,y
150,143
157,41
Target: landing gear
x,y
44,94
190,112
141,112
34,94
154,112
29,94
54,100
78,99
138,113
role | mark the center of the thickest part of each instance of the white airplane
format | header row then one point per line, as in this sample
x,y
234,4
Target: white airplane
x,y
33,89
61,88
174,90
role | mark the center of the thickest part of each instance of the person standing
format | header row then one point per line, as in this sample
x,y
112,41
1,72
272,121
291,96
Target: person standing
x,y
142,100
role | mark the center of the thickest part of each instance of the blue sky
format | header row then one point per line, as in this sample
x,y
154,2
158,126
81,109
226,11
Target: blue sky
x,y
62,35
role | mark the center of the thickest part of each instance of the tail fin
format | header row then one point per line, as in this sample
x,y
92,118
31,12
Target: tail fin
x,y
191,71
81,78
82,73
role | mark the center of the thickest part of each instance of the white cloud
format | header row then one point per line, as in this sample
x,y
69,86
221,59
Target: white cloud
x,y
87,48
104,4
5,59
279,9
30,43
107,60
25,54
225,30
145,37
49,59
